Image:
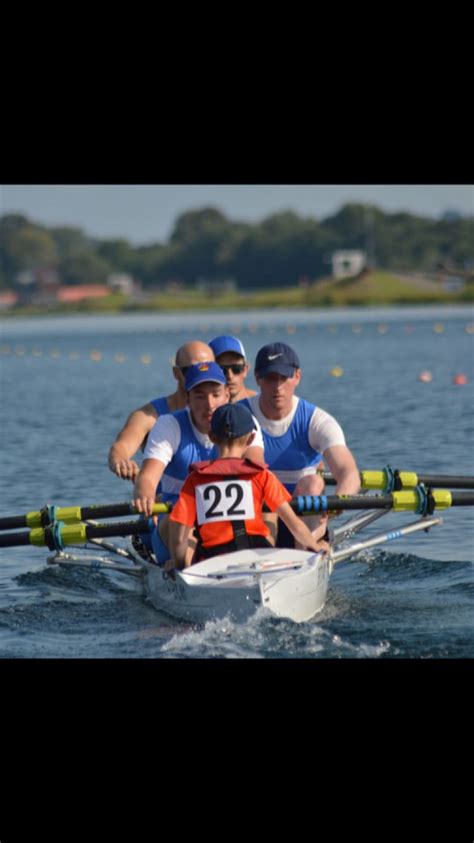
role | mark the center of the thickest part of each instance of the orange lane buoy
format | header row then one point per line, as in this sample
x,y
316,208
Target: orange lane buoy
x,y
460,379
425,377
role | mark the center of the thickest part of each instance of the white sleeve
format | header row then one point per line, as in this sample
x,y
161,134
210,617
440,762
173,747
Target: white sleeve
x,y
324,431
163,439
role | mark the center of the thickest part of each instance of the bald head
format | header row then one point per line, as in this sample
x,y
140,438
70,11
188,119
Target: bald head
x,y
193,352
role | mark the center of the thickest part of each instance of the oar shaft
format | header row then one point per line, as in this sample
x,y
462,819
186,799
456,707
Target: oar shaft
x,y
408,500
406,479
417,500
381,538
73,514
59,535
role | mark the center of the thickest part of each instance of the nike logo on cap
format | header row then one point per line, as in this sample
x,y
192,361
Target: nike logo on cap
x,y
274,356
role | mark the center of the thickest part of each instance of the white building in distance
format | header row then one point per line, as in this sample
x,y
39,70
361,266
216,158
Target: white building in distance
x,y
347,262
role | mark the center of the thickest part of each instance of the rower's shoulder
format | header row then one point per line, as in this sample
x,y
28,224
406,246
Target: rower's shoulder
x,y
147,409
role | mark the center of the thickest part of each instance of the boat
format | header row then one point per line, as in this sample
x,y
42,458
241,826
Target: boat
x,y
282,583
286,584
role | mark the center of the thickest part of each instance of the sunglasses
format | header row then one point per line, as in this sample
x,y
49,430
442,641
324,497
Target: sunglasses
x,y
237,368
184,369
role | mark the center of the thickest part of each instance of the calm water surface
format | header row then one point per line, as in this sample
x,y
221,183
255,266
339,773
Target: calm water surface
x,y
67,385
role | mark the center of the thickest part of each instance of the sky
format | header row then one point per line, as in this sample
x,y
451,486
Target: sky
x,y
144,214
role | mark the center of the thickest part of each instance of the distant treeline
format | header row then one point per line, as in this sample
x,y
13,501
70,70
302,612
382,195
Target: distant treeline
x,y
282,250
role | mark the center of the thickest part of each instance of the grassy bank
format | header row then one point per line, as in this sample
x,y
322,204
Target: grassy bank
x,y
375,288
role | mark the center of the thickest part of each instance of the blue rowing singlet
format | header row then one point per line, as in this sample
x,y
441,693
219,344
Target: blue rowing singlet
x,y
190,450
161,406
289,456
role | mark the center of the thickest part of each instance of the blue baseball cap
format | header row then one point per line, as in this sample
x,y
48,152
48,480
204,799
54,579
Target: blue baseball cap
x,y
203,372
276,357
226,343
231,421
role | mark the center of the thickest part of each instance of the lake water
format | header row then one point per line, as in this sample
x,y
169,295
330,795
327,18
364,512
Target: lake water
x,y
67,385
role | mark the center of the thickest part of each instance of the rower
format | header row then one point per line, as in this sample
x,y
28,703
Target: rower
x,y
134,433
230,354
179,439
224,497
297,435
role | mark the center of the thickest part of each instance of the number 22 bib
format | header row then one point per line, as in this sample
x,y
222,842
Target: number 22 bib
x,y
225,500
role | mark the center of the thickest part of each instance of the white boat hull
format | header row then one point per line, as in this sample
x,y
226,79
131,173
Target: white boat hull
x,y
287,584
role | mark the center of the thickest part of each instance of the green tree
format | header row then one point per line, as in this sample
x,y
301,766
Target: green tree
x,y
118,253
201,246
24,246
193,225
281,250
71,241
85,268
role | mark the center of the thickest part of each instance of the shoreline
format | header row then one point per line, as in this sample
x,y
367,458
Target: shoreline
x,y
234,322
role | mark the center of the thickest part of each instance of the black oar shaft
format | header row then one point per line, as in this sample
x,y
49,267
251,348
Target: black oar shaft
x,y
13,522
409,500
71,514
419,500
57,535
378,479
446,481
325,503
42,518
14,539
462,498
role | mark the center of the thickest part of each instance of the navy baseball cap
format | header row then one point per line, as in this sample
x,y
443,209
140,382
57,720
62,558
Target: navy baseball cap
x,y
226,343
203,372
231,421
276,357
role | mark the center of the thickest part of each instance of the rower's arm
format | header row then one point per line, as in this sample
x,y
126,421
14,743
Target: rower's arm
x,y
129,440
144,494
178,537
307,538
254,453
344,468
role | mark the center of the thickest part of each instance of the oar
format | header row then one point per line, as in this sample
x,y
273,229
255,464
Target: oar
x,y
382,538
411,500
58,535
73,514
420,500
388,481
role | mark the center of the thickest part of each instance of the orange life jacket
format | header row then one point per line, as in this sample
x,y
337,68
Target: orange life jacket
x,y
245,533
